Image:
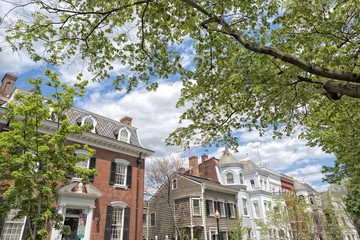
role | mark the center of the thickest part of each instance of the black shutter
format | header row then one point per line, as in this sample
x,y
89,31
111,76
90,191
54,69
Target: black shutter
x,y
227,210
112,173
126,224
128,177
207,207
92,165
109,213
218,206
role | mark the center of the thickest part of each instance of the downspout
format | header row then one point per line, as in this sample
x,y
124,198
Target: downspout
x,y
138,162
203,187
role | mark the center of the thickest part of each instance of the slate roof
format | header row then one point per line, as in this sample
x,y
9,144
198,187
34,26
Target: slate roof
x,y
105,127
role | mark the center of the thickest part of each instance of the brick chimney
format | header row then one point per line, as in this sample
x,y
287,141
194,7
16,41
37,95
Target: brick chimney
x,y
7,85
194,165
204,157
126,120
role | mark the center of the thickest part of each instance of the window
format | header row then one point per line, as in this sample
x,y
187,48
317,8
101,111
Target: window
x,y
124,135
231,210
196,210
256,210
241,178
245,210
152,219
144,220
210,207
222,209
89,120
311,200
302,198
13,227
229,178
252,183
90,163
117,221
120,175
174,184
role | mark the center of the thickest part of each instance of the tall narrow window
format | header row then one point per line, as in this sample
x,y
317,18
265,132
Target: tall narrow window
x,y
229,178
241,178
174,184
252,183
117,223
245,210
152,219
222,209
120,175
12,228
196,210
256,210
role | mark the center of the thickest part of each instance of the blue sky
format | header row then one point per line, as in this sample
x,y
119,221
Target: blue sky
x,y
155,116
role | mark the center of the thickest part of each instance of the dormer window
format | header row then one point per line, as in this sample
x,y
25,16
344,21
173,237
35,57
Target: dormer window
x,y
124,135
229,178
89,120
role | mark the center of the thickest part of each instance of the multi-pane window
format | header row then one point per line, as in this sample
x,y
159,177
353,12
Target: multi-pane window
x,y
229,178
244,201
117,223
89,120
120,174
222,209
13,226
152,219
124,135
231,210
144,219
196,210
256,210
210,205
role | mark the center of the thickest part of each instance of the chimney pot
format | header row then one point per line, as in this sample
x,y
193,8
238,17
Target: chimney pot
x,y
126,120
204,157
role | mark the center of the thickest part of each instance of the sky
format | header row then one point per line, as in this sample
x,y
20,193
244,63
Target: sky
x,y
155,116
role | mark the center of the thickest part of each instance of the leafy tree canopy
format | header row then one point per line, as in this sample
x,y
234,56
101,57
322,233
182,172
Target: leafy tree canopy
x,y
33,163
255,63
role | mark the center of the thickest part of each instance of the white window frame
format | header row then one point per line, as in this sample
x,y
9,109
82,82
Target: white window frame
x,y
122,163
232,178
153,217
232,210
82,152
245,208
174,184
118,225
127,140
13,228
198,212
256,209
211,208
222,209
93,130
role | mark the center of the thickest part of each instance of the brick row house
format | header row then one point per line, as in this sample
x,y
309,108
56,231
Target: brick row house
x,y
110,206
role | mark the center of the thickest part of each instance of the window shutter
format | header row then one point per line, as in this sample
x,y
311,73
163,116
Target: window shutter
x,y
218,206
112,173
92,165
207,207
227,210
109,213
126,224
128,177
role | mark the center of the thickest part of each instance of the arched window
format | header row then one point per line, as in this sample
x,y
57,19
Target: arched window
x,y
252,183
89,120
241,178
302,198
124,135
229,178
